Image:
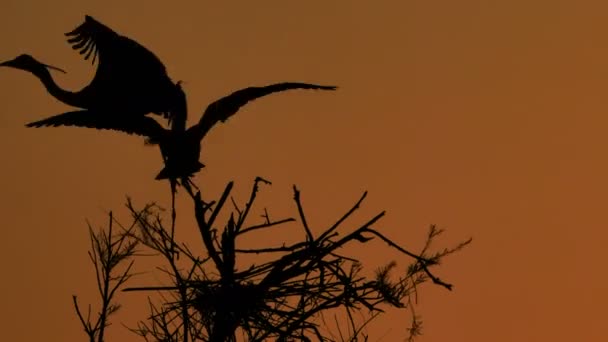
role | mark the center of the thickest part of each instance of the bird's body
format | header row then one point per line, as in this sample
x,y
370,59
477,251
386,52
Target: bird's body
x,y
129,80
180,148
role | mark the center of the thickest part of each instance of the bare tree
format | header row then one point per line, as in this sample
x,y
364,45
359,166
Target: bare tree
x,y
109,252
285,298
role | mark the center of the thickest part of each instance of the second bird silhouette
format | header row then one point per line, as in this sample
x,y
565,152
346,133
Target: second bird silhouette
x,y
180,148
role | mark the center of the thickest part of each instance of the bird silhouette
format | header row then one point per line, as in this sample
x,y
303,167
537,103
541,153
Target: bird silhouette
x,y
180,148
129,79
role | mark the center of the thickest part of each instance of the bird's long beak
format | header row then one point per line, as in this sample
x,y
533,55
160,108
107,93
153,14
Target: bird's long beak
x,y
54,68
13,64
7,63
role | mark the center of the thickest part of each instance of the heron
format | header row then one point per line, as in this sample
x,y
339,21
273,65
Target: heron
x,y
129,78
180,148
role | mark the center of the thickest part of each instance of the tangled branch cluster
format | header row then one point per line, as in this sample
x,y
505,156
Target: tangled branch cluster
x,y
283,299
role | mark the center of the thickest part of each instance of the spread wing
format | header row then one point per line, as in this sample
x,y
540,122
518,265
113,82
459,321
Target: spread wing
x,y
139,125
92,38
125,68
224,108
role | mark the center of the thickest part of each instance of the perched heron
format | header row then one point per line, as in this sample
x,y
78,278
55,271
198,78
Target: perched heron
x,y
180,148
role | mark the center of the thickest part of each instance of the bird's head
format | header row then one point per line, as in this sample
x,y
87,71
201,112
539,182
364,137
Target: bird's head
x,y
28,63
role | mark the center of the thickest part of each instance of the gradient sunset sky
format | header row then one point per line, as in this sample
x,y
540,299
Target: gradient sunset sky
x,y
486,118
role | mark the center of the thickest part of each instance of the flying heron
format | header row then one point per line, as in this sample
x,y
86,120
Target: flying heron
x,y
129,80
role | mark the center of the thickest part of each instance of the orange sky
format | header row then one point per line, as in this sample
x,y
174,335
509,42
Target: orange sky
x,y
486,118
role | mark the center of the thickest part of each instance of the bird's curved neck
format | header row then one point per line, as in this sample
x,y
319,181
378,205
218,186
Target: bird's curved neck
x,y
65,96
179,113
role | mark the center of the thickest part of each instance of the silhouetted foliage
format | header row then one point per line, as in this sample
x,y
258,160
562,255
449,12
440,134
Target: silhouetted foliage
x,y
109,251
285,298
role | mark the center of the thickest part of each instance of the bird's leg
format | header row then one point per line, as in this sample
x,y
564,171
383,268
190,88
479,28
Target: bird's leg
x,y
185,181
173,184
194,185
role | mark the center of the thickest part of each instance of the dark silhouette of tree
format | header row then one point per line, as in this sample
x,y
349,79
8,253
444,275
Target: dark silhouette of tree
x,y
287,296
109,251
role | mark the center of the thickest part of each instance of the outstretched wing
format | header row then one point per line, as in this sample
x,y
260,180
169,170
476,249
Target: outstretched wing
x,y
139,125
126,70
224,108
92,38
87,35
